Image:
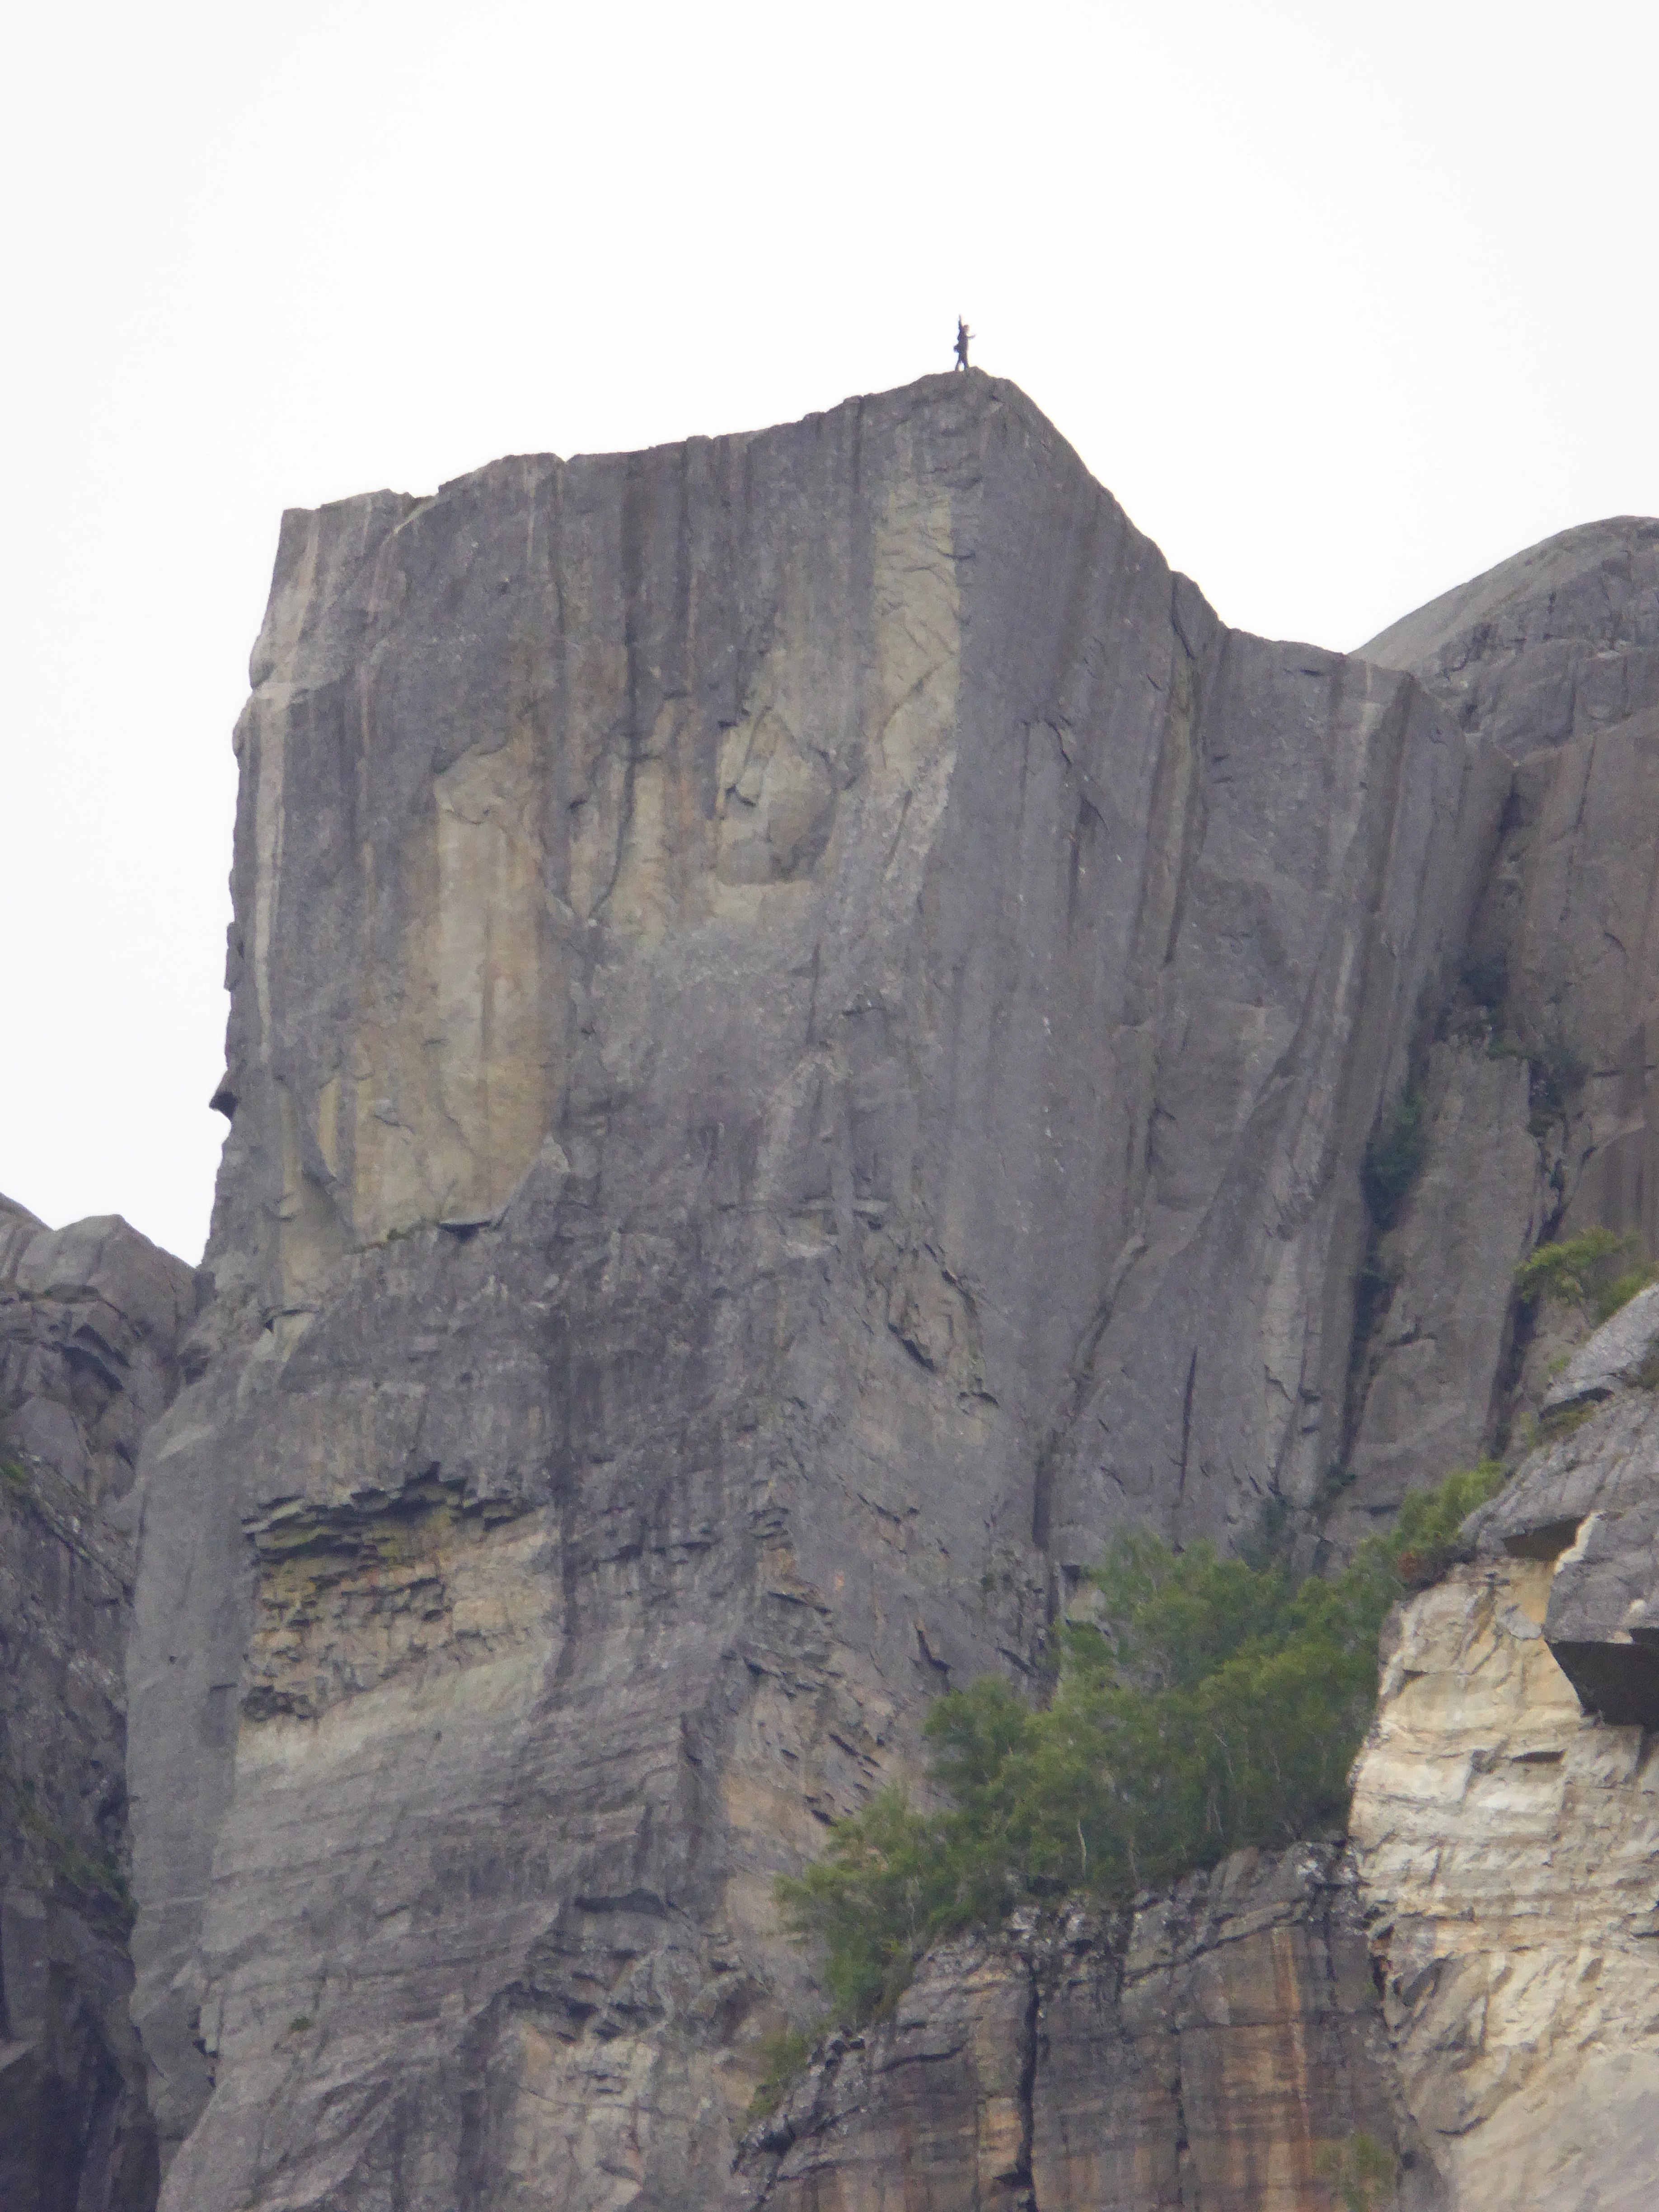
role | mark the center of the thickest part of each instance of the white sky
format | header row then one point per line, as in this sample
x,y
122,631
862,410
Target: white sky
x,y
1344,301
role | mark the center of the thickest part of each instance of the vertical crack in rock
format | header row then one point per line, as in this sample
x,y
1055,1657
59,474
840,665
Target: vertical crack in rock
x,y
1031,2034
1182,2140
1186,1439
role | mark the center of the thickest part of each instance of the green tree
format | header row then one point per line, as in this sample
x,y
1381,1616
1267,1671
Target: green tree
x,y
1581,1271
1208,1704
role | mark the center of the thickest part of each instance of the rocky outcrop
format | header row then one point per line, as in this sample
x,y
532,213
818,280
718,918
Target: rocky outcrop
x,y
1617,1355
1506,1822
1221,2047
1557,644
1472,1983
1590,1506
90,1322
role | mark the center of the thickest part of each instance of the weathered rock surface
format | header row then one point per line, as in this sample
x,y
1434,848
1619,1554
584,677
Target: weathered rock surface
x,y
90,1321
1206,2050
1591,1505
1557,643
1615,1356
1532,1057
803,1024
1429,1394
1506,1822
1499,1891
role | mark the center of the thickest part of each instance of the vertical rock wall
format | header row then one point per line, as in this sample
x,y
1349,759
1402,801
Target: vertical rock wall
x,y
1534,1059
1221,2047
803,1022
1506,1820
90,1322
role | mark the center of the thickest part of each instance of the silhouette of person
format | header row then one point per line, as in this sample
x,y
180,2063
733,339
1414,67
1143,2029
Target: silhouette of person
x,y
962,335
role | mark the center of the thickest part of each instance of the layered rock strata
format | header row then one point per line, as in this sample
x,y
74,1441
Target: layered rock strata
x,y
1473,1982
1222,2047
1506,1823
804,1024
90,1322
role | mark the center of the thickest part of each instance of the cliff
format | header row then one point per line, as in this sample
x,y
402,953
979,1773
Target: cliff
x,y
804,1020
90,1321
1506,1817
1471,1983
1535,1065
1216,2047
810,1033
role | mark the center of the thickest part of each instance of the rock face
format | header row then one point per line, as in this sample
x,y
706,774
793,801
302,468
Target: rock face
x,y
1506,1823
805,1021
1220,2048
1591,1505
1474,1984
90,1322
1615,1357
1533,1058
810,1033
1559,643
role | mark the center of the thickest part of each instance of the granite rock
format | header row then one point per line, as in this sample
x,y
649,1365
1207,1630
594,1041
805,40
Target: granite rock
x,y
1429,1384
1531,1056
1557,643
1506,1821
804,1024
1589,1504
1615,1354
805,1021
90,1320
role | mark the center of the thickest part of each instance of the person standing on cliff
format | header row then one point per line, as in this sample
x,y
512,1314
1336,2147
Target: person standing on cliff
x,y
962,335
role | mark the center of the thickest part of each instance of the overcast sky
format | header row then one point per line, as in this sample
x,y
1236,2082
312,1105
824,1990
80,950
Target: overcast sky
x,y
1344,302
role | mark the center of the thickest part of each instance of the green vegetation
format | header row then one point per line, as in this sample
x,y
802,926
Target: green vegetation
x,y
15,1476
1620,1290
1557,1071
1360,2171
1580,1270
782,2056
1423,1541
1210,1705
98,1880
300,2023
1556,1425
1562,1270
1393,1158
